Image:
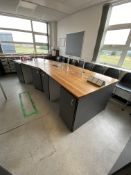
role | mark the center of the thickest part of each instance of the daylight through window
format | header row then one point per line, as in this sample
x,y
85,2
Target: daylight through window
x,y
115,47
23,36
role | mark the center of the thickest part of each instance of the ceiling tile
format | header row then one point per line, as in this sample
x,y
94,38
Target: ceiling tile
x,y
53,4
24,11
27,5
8,5
42,12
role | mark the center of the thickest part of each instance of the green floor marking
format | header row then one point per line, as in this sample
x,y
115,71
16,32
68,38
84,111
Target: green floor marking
x,y
29,103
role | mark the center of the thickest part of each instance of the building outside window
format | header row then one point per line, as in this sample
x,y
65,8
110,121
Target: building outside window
x,y
7,47
23,36
115,46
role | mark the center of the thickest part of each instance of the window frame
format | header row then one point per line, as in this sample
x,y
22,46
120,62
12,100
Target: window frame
x,y
123,48
34,43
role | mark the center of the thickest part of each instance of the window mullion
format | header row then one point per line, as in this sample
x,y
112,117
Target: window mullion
x,y
113,47
119,27
125,49
33,36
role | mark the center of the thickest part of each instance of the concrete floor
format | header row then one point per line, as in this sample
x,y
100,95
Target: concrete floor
x,y
42,145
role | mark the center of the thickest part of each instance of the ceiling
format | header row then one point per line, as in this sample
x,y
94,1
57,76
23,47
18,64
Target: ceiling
x,y
48,10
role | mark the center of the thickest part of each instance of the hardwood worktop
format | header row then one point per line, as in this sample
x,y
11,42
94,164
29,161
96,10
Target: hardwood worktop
x,y
73,78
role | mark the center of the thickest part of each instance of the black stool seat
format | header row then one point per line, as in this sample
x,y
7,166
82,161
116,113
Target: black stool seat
x,y
98,68
88,66
111,72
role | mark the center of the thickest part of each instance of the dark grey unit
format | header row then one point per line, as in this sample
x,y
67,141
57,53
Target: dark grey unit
x,y
75,112
73,62
54,89
81,63
90,105
98,68
50,87
19,72
36,75
27,73
68,105
111,72
88,65
45,84
123,164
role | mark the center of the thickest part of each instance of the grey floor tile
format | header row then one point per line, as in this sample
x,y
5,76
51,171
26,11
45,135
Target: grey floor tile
x,y
26,143
42,144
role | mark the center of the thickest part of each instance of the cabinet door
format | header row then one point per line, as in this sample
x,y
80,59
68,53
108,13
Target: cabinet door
x,y
68,104
37,78
45,84
19,72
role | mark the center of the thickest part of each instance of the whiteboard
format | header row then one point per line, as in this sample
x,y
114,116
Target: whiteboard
x,y
74,43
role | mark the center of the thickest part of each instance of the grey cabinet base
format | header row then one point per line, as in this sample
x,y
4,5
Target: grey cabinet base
x,y
91,105
68,105
19,72
50,87
36,75
54,89
27,73
75,112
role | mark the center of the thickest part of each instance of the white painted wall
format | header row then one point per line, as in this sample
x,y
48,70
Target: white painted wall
x,y
87,20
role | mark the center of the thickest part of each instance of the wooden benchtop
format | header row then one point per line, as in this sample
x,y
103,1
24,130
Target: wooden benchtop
x,y
73,78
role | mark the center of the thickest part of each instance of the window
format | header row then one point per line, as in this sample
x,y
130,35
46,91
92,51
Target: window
x,y
116,37
39,27
23,36
15,36
127,61
42,49
121,14
115,46
110,57
15,23
40,39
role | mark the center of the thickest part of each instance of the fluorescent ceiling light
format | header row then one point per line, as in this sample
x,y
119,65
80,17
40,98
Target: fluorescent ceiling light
x,y
28,5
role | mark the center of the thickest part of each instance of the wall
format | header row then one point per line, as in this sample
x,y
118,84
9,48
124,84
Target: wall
x,y
87,20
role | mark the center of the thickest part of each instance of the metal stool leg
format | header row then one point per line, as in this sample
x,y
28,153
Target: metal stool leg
x,y
3,91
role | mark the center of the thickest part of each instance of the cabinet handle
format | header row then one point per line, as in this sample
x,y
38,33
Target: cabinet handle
x,y
72,102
